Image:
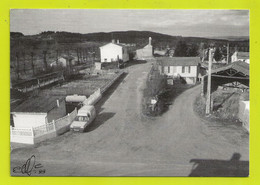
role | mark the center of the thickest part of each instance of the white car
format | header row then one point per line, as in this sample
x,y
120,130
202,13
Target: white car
x,y
85,116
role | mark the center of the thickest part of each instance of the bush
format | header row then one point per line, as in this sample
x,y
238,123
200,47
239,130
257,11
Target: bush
x,y
155,85
225,105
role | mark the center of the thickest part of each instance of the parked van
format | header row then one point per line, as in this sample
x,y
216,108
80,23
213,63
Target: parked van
x,y
85,116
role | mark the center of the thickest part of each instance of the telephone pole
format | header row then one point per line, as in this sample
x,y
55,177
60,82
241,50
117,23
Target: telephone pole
x,y
227,53
208,101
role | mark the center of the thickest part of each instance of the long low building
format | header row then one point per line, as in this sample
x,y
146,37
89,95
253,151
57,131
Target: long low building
x,y
185,67
37,111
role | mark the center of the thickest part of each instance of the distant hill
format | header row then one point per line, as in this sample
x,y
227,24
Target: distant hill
x,y
232,38
16,34
140,38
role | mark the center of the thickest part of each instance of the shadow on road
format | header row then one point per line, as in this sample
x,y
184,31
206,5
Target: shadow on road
x,y
104,116
135,62
100,120
220,168
109,92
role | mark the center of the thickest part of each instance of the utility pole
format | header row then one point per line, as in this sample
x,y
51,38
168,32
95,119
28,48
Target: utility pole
x,y
227,53
208,101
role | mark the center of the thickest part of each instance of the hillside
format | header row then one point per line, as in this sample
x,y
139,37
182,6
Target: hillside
x,y
138,37
33,52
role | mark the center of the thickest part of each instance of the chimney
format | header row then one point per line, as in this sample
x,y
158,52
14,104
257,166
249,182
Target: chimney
x,y
117,41
58,103
150,40
113,41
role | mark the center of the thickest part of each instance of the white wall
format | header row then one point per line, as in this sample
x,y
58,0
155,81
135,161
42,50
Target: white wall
x,y
27,120
22,139
125,55
111,52
175,70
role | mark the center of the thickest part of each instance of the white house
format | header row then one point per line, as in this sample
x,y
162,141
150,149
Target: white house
x,y
240,56
186,68
38,111
112,52
145,52
61,62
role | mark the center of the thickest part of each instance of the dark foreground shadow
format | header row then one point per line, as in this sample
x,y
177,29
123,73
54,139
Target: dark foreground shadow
x,y
109,92
100,120
135,62
220,168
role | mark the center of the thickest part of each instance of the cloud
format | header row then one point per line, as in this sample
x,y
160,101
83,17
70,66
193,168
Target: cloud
x,y
180,22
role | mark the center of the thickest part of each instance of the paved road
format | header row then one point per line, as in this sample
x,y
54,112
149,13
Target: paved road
x,y
122,142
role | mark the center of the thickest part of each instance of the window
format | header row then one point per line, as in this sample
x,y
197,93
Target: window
x,y
81,118
105,60
183,69
186,69
169,70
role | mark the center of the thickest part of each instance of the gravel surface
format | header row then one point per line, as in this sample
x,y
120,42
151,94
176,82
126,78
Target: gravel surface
x,y
123,142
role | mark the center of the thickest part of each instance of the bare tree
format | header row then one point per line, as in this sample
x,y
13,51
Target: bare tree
x,y
45,59
24,62
57,56
17,67
78,55
32,62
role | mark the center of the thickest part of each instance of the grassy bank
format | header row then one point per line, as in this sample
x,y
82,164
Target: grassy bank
x,y
225,106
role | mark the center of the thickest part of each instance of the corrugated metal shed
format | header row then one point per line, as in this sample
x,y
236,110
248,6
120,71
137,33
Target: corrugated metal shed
x,y
239,66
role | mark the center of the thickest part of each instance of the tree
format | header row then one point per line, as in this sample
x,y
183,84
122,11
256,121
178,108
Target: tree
x,y
78,51
217,55
24,62
45,60
32,63
17,67
193,51
181,49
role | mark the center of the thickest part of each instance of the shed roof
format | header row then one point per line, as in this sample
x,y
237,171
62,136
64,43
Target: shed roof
x,y
179,61
242,55
239,66
39,104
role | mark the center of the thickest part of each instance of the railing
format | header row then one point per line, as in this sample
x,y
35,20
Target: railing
x,y
66,120
53,127
43,129
21,131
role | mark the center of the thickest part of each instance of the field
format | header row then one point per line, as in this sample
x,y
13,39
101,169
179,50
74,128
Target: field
x,y
86,85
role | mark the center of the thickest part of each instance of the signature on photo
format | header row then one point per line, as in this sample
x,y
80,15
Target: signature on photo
x,y
30,167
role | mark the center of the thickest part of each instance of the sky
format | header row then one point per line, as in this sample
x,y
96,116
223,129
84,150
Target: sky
x,y
197,23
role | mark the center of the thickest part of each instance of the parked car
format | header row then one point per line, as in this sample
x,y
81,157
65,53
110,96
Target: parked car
x,y
84,118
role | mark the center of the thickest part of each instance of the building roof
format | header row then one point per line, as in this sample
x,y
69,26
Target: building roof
x,y
242,55
117,44
39,104
179,61
239,66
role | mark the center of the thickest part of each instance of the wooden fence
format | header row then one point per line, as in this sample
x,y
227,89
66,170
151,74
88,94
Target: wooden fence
x,y
41,83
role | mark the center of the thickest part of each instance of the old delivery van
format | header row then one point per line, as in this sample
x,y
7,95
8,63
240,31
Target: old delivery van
x,y
85,116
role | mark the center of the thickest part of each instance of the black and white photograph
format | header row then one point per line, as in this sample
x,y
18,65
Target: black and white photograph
x,y
129,92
